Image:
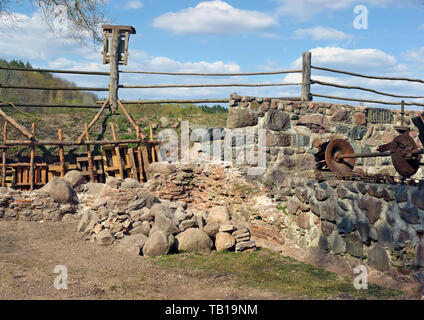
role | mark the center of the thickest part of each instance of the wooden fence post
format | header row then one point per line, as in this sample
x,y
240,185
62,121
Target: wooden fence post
x,y
306,77
31,161
3,176
114,70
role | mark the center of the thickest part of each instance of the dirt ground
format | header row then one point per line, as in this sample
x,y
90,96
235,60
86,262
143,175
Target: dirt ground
x,y
29,253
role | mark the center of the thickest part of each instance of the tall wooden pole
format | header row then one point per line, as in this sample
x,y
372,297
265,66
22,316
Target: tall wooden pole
x,y
31,161
3,176
139,156
306,77
114,70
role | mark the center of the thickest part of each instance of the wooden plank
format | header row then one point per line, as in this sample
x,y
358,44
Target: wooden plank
x,y
118,161
61,154
130,119
132,163
306,77
96,117
145,161
90,162
3,179
140,160
151,139
17,125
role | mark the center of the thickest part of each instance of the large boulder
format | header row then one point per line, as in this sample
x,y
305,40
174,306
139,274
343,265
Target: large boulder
x,y
277,120
164,219
218,214
75,178
60,191
194,240
158,243
378,258
132,244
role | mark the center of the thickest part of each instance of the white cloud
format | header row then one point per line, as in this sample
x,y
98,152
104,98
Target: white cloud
x,y
415,55
214,17
304,10
355,60
133,4
321,33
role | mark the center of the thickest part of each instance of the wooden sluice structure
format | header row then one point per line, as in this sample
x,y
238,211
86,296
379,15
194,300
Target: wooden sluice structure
x,y
117,158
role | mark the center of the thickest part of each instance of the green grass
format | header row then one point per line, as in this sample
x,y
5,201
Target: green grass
x,y
270,271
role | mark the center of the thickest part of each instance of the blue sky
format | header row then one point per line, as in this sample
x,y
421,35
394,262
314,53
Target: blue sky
x,y
239,36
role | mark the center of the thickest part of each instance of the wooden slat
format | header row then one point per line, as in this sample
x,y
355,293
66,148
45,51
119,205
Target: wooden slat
x,y
61,154
139,156
90,162
96,117
118,161
145,161
132,163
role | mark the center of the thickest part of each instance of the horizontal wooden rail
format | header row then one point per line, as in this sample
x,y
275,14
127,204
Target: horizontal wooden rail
x,y
12,86
94,73
363,89
206,85
75,143
367,76
35,105
191,101
370,101
213,74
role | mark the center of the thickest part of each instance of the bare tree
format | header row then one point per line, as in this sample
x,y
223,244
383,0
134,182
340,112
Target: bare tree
x,y
83,17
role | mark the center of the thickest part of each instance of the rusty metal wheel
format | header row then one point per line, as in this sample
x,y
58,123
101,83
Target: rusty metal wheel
x,y
335,149
404,162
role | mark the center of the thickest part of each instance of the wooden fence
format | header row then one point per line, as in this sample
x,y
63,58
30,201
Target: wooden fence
x,y
33,174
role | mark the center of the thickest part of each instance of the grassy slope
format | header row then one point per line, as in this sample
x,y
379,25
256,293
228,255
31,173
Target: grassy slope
x,y
270,271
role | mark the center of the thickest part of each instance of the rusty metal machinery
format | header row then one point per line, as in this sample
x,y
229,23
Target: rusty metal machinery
x,y
338,155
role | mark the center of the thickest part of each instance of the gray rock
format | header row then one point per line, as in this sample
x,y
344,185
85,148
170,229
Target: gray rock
x,y
328,212
401,194
144,228
211,228
75,178
158,244
224,241
243,246
321,194
346,225
130,183
193,240
60,191
323,244
364,232
218,214
164,219
354,245
378,258
357,132
105,238
409,213
239,118
277,120
337,244
113,182
95,188
186,224
162,168
85,219
132,244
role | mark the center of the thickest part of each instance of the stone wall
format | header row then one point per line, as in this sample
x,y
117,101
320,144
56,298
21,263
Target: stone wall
x,y
379,223
295,129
